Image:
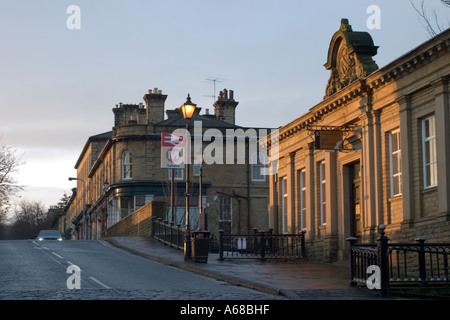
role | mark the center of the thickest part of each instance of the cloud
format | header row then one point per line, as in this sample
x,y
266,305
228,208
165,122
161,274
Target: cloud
x,y
47,195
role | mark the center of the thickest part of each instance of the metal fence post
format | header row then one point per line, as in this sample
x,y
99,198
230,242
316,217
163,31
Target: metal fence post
x,y
255,241
221,232
153,226
270,241
180,236
303,245
383,261
172,240
422,265
262,245
159,227
352,241
165,231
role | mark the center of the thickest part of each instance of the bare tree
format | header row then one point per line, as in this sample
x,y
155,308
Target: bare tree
x,y
9,164
29,218
431,24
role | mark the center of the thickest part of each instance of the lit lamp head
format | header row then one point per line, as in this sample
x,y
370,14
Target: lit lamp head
x,y
188,108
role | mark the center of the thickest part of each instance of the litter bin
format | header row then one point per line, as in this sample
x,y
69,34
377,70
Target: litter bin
x,y
200,245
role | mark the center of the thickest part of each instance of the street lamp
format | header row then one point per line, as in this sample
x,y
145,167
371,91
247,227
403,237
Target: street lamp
x,y
188,109
104,216
84,208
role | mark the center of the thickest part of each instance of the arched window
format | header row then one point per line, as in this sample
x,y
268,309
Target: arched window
x,y
126,165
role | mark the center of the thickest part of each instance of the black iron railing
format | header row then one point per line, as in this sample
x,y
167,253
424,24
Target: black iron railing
x,y
412,265
168,233
261,245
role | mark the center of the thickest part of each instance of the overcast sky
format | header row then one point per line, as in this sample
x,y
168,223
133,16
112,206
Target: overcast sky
x,y
58,85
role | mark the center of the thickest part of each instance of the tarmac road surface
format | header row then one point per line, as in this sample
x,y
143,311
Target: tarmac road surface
x,y
47,270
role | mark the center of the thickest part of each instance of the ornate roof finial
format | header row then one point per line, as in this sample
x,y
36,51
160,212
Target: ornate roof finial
x,y
349,57
345,26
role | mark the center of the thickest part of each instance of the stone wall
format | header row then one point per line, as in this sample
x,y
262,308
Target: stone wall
x,y
139,223
433,229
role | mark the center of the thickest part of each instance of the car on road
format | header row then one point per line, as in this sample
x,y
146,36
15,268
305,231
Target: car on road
x,y
49,235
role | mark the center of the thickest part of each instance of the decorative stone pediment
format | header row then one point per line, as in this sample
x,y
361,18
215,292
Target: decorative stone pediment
x,y
349,57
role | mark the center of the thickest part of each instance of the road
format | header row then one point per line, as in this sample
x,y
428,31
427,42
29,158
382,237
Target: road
x,y
48,270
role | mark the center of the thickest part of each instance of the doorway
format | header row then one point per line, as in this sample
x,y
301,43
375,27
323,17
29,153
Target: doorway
x,y
354,192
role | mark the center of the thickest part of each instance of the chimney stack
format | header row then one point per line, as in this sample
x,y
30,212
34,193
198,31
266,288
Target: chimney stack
x,y
225,106
126,114
154,100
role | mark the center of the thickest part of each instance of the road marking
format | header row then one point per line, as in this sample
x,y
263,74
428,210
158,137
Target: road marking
x,y
106,243
100,283
72,264
57,255
41,247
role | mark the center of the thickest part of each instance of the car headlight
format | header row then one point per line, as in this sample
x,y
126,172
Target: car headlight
x,y
59,239
41,239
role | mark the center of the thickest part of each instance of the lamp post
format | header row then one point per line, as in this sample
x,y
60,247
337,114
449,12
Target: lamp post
x,y
104,218
188,109
84,208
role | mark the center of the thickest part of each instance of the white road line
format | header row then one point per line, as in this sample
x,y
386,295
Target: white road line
x,y
57,255
99,282
72,264
106,243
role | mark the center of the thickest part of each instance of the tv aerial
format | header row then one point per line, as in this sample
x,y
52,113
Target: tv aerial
x,y
213,81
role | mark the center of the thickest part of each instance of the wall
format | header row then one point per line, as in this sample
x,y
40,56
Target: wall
x,y
139,223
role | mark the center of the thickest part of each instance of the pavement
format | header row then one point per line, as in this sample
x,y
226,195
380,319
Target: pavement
x,y
291,280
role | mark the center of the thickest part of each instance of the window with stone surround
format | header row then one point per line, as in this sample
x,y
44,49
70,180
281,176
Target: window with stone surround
x,y
395,162
322,191
284,205
429,152
225,214
302,198
258,166
126,165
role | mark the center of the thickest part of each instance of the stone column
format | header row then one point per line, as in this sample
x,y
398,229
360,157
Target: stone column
x,y
407,158
371,177
311,222
331,192
291,193
378,216
443,144
273,202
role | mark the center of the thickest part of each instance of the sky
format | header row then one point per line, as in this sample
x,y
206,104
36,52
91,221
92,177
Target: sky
x,y
62,71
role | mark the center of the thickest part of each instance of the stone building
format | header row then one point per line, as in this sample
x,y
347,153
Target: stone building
x,y
120,171
375,151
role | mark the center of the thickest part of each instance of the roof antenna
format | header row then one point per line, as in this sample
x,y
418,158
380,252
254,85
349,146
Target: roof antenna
x,y
213,80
